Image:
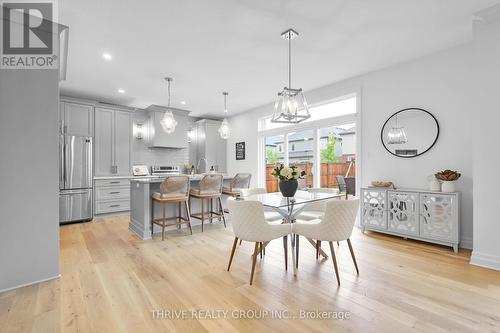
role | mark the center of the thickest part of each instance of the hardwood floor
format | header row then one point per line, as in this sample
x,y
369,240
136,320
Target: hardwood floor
x,y
112,282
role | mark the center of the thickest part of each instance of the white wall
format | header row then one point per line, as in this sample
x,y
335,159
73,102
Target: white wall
x,y
440,83
29,169
486,157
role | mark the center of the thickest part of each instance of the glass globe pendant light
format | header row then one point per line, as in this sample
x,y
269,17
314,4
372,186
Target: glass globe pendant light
x,y
224,130
396,135
168,121
291,105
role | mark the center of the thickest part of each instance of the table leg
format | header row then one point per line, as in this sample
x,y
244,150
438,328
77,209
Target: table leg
x,y
313,243
294,259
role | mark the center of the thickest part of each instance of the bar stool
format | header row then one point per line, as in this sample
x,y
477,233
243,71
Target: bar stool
x,y
210,188
240,181
173,190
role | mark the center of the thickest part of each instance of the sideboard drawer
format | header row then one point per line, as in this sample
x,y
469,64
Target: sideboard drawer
x,y
113,206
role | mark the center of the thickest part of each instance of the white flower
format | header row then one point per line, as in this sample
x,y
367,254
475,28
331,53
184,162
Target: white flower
x,y
286,172
298,172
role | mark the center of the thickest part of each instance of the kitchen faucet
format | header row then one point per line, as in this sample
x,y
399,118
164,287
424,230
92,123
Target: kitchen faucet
x,y
198,165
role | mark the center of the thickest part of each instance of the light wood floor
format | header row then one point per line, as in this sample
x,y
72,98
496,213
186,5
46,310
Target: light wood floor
x,y
112,282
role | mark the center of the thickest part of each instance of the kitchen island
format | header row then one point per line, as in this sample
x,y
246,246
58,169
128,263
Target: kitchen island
x,y
141,190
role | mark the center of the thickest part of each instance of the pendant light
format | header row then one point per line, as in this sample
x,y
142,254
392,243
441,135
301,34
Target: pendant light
x,y
224,130
396,135
291,105
168,121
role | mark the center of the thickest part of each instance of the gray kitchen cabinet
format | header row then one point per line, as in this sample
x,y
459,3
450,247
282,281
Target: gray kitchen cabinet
x,y
111,195
76,119
112,142
210,147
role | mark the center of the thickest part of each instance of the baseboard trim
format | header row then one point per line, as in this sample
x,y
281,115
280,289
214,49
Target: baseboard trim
x,y
31,283
485,260
466,243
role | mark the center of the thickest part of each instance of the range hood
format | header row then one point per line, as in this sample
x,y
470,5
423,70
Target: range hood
x,y
159,138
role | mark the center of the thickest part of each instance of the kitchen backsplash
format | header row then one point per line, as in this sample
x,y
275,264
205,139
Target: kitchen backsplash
x,y
142,154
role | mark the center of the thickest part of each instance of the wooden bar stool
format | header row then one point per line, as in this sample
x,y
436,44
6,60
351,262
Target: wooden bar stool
x,y
210,188
173,190
240,181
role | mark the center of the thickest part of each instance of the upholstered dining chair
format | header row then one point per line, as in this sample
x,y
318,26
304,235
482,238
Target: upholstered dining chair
x,y
173,190
249,224
271,216
336,225
209,189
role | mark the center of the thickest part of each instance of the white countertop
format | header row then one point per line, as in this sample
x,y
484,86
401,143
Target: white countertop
x,y
159,179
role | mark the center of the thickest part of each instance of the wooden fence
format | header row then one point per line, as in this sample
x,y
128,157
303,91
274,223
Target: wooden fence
x,y
328,173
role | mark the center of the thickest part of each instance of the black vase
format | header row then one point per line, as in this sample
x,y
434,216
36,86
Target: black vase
x,y
288,187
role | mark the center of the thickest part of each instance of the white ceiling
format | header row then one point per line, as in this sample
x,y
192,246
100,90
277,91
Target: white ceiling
x,y
235,45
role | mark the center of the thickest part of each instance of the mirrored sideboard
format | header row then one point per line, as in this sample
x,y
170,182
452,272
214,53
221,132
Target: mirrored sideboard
x,y
418,214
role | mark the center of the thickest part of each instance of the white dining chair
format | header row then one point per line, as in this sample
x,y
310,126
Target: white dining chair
x,y
316,210
249,224
270,215
335,226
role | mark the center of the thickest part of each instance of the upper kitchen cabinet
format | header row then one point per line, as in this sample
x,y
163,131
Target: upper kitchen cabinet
x,y
210,147
159,138
112,142
76,118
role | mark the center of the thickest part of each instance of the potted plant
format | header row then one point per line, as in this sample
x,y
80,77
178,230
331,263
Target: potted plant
x,y
288,178
448,179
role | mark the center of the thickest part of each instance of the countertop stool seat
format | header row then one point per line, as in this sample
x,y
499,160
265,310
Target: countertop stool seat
x,y
241,181
210,188
173,190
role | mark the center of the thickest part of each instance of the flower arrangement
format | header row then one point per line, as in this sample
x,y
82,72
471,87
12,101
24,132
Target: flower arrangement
x,y
283,172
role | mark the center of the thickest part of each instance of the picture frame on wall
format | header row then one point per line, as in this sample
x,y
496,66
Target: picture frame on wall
x,y
240,151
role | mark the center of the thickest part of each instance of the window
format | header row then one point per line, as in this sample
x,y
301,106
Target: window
x,y
337,149
301,155
324,149
340,107
274,155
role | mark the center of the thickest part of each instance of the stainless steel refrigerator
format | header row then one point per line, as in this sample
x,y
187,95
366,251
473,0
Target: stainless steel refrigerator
x,y
75,180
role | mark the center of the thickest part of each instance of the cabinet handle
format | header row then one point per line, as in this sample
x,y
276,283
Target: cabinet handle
x,y
115,192
114,206
115,182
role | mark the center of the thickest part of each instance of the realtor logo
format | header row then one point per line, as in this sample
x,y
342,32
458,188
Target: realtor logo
x,y
27,38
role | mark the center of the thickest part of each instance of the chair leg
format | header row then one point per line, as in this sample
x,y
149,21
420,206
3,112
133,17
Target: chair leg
x,y
188,213
297,237
335,262
232,253
221,211
260,251
352,255
254,258
318,246
152,216
285,247
163,221
179,214
210,209
240,241
202,214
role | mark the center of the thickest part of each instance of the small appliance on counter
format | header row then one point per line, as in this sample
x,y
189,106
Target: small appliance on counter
x,y
140,170
158,170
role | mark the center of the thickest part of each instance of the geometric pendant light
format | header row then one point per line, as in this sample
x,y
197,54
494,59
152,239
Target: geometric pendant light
x,y
291,105
396,135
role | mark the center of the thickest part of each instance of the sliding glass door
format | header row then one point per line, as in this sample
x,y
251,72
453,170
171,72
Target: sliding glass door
x,y
301,155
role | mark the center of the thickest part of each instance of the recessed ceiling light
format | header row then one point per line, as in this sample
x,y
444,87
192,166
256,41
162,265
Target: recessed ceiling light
x,y
121,91
107,56
183,102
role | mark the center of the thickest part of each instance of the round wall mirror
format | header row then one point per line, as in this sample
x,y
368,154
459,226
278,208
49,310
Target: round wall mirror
x,y
410,132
